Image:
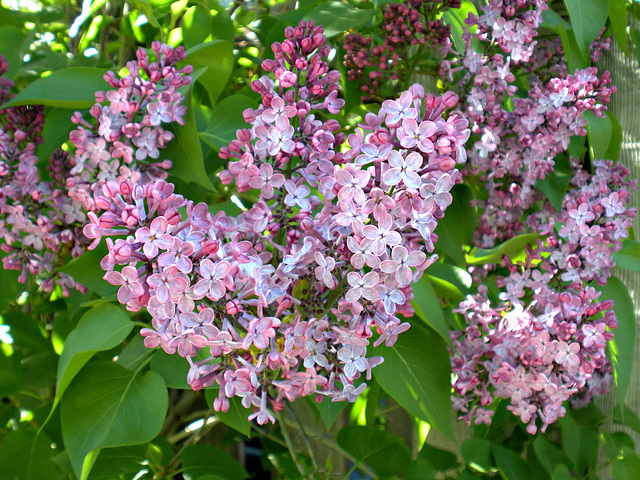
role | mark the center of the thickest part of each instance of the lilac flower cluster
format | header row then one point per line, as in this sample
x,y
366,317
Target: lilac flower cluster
x,y
511,25
515,147
283,301
125,135
415,22
545,342
42,220
36,219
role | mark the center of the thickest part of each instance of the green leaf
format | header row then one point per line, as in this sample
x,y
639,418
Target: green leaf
x,y
199,460
237,417
416,373
618,17
512,248
477,453
113,462
86,270
172,368
628,257
442,460
216,57
456,228
110,406
571,49
329,411
427,307
627,468
185,150
72,87
11,288
561,472
600,131
510,465
26,455
383,452
101,328
580,444
550,455
134,353
623,415
615,444
552,19
635,37
621,348
338,17
556,185
589,416
455,17
55,132
26,331
196,25
14,47
225,119
613,152
587,19
39,370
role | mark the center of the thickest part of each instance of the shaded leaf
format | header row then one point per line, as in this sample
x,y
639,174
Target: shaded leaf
x,y
556,185
236,417
55,132
427,307
573,52
86,270
199,460
580,444
623,415
11,288
113,462
27,456
383,452
172,368
329,411
477,453
72,87
587,20
600,133
456,228
622,346
550,455
185,151
226,118
13,48
510,465
416,373
338,17
110,406
629,256
627,468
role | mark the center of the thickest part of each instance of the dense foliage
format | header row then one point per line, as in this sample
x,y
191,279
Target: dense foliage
x,y
398,210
